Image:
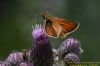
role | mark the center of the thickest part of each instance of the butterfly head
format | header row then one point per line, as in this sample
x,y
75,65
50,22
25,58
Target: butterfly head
x,y
45,15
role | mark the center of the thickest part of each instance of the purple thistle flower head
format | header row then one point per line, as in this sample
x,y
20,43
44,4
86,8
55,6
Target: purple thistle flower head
x,y
3,63
71,58
70,45
41,52
14,58
38,32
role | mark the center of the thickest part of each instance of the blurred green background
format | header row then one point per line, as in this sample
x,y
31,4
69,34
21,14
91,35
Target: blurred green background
x,y
18,16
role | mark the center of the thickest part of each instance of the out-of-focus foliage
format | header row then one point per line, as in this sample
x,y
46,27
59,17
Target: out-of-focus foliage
x,y
18,16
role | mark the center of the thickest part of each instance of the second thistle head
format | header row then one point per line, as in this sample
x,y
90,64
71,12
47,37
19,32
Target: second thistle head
x,y
70,45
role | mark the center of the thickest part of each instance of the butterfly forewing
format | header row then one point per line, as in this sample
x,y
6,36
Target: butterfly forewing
x,y
67,26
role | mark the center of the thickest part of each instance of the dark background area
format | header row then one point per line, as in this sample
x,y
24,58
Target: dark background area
x,y
18,16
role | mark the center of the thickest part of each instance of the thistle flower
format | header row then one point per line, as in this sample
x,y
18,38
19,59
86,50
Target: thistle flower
x,y
14,58
38,33
2,63
71,58
70,45
41,52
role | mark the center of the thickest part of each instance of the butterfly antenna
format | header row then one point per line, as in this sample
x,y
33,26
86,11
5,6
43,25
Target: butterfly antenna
x,y
37,18
42,22
38,21
34,19
46,13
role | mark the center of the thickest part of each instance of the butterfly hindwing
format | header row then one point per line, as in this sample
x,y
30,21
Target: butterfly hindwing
x,y
51,28
56,26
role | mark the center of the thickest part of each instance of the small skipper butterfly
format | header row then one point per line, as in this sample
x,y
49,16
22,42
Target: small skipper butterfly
x,y
58,27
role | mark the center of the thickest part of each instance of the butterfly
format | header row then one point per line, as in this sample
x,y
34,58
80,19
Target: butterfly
x,y
58,27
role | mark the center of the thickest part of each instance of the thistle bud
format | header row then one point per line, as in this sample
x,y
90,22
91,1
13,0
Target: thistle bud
x,y
71,57
14,58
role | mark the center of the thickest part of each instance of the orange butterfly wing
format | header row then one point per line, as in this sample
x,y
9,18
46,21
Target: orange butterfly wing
x,y
67,26
52,28
57,27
